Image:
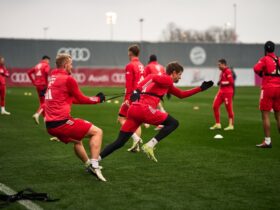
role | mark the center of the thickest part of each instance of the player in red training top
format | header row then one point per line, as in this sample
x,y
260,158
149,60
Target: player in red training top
x,y
3,74
39,78
144,108
154,67
224,95
134,73
62,91
268,67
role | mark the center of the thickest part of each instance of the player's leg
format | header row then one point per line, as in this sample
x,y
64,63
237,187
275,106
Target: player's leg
x,y
128,128
2,97
95,135
80,151
170,124
266,103
229,107
135,136
136,141
135,147
41,94
216,109
266,123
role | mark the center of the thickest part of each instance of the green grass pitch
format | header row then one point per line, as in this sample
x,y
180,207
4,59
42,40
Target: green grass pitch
x,y
194,170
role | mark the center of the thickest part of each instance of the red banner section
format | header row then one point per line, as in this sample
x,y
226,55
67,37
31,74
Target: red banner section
x,y
84,76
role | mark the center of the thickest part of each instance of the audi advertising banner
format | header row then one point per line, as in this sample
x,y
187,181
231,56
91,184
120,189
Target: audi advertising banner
x,y
116,77
84,76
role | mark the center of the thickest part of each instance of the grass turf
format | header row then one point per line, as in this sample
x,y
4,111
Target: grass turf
x,y
194,170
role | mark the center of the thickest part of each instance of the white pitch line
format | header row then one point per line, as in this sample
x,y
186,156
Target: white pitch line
x,y
27,204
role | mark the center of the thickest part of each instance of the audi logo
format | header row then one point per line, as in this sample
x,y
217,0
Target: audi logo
x,y
118,78
20,78
77,54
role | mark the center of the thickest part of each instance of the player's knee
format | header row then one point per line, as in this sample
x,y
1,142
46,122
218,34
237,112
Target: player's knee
x,y
175,123
99,131
95,131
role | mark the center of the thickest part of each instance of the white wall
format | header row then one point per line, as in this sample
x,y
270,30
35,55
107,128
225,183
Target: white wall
x,y
195,76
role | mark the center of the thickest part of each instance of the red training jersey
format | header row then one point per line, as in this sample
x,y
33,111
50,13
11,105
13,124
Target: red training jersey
x,y
3,74
266,65
134,73
39,74
226,81
160,85
62,91
154,68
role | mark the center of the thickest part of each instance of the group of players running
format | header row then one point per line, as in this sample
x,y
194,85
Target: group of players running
x,y
145,88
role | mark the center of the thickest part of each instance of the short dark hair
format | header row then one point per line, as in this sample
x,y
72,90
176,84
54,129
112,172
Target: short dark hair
x,y
269,46
134,49
223,61
174,66
46,57
153,58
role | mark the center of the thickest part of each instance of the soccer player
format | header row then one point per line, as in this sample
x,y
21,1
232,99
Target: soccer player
x,y
39,78
268,67
62,91
3,74
154,67
224,95
134,73
144,108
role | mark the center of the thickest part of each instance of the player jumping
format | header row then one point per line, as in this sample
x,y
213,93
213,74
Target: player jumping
x,y
144,110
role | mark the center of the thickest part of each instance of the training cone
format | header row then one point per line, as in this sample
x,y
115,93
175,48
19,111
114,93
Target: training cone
x,y
196,107
218,136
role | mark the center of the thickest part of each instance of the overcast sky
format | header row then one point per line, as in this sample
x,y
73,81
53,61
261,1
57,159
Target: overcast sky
x,y
257,20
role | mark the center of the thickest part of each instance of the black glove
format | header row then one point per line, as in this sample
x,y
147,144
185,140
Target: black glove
x,y
206,84
42,92
135,96
218,83
101,96
168,96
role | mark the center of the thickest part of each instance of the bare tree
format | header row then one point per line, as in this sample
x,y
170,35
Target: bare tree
x,y
213,34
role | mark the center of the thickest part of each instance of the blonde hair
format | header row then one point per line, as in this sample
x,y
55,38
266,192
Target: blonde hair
x,y
61,59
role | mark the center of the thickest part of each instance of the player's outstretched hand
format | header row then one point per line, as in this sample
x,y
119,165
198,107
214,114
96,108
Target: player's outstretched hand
x,y
101,97
135,96
206,84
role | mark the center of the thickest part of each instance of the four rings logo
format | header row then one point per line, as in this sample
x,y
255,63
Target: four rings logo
x,y
20,78
77,54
